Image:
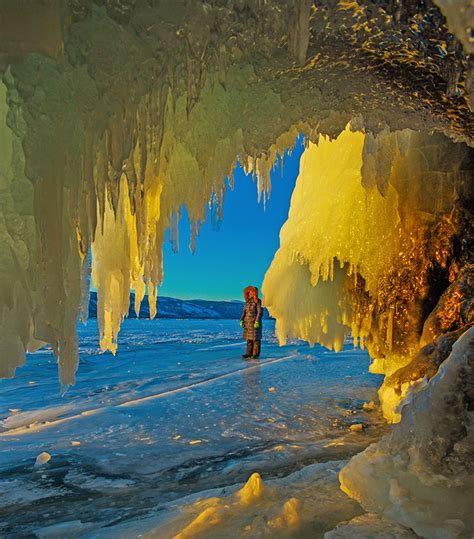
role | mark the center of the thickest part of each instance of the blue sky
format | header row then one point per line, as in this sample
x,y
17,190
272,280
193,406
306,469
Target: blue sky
x,y
240,251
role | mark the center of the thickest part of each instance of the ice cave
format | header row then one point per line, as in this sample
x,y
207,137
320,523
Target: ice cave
x,y
114,114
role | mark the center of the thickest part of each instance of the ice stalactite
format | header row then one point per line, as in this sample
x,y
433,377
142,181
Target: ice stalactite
x,y
366,248
43,262
299,33
117,267
421,475
18,236
330,218
123,187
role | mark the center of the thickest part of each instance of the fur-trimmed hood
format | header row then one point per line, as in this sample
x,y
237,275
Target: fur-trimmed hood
x,y
251,292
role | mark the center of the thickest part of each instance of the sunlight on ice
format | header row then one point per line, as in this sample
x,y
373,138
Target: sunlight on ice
x,y
110,124
361,239
220,516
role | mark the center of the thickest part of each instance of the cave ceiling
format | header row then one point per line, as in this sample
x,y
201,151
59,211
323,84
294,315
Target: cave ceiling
x,y
391,63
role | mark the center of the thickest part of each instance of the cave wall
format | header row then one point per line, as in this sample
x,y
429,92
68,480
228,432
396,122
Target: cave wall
x,y
374,236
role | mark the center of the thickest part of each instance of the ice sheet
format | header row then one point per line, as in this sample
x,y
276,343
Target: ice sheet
x,y
176,412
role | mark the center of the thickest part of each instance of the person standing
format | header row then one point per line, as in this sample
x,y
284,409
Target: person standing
x,y
251,322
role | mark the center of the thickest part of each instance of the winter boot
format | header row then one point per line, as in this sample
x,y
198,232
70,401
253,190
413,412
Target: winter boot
x,y
248,352
256,349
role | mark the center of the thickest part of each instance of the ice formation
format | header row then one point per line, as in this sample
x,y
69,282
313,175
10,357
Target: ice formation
x,y
369,525
421,474
280,508
366,249
115,115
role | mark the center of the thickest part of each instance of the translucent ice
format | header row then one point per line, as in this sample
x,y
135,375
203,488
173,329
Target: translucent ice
x,y
121,112
362,242
421,474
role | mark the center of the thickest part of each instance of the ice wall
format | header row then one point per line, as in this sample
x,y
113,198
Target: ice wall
x,y
421,475
367,249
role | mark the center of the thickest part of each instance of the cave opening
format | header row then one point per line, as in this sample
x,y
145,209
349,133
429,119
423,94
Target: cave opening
x,y
236,244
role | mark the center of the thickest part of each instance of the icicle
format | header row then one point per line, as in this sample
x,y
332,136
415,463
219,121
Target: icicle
x,y
216,208
298,32
222,65
353,256
152,298
194,232
107,145
85,288
173,231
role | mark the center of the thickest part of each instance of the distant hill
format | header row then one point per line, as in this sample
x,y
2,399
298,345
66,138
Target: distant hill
x,y
180,308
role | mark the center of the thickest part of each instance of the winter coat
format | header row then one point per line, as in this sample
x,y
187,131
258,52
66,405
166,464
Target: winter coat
x,y
252,313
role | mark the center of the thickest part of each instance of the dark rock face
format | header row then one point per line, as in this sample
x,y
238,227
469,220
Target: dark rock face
x,y
452,316
455,307
427,361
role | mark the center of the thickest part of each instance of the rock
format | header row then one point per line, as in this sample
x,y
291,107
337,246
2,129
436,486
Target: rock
x,y
369,406
357,427
42,459
455,307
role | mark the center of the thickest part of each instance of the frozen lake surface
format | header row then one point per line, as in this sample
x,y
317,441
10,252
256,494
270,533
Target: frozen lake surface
x,y
176,412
